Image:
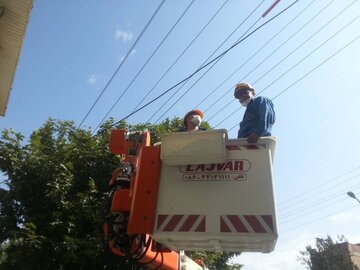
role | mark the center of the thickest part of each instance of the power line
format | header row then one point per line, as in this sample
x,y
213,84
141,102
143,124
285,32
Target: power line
x,y
168,90
332,227
338,14
122,62
181,54
352,41
314,220
312,205
171,106
252,56
243,21
304,76
345,46
269,55
317,187
174,103
284,58
262,16
313,51
295,210
145,64
313,210
231,101
327,59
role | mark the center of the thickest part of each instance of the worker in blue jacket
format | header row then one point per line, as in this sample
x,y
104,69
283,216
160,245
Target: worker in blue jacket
x,y
259,116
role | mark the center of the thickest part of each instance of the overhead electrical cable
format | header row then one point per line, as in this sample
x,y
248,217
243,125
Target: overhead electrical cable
x,y
308,73
328,228
173,64
337,15
313,210
315,204
145,64
317,219
181,54
293,51
267,57
306,212
300,206
232,33
254,54
213,60
122,63
319,186
327,59
245,63
176,101
288,70
291,205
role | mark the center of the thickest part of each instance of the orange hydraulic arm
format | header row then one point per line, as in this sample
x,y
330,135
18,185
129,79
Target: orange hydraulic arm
x,y
132,202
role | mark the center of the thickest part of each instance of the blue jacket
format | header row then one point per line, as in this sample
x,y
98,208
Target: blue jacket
x,y
259,117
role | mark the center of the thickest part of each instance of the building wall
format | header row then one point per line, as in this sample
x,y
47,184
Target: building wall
x,y
354,252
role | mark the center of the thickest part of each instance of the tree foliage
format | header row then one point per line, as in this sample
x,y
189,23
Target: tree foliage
x,y
216,260
327,255
53,188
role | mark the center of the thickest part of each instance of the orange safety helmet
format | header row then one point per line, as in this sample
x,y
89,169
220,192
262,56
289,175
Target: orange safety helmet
x,y
193,112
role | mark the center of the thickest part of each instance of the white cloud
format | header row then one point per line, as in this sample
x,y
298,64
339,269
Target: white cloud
x,y
344,218
93,79
123,36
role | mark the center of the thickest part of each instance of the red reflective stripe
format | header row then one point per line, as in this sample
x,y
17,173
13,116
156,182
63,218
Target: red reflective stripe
x,y
255,224
160,220
223,226
187,226
251,146
236,222
202,226
233,147
172,223
269,221
246,147
189,222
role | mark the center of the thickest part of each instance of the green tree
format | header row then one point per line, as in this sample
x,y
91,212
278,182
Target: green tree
x,y
50,205
53,189
216,260
327,255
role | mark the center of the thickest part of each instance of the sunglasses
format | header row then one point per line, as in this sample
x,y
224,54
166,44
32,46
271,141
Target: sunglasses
x,y
242,92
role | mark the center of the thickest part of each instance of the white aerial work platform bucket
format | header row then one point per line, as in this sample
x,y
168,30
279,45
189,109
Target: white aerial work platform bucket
x,y
193,147
216,206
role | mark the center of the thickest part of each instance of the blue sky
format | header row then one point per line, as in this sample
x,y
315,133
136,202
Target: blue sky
x,y
72,49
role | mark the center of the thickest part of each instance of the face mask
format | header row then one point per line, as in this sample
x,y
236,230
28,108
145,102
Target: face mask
x,y
246,102
196,119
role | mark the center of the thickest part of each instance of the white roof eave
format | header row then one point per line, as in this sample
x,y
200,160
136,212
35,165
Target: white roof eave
x,y
14,17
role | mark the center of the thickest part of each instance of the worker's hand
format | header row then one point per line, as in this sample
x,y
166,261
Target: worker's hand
x,y
253,138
